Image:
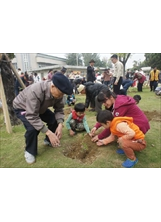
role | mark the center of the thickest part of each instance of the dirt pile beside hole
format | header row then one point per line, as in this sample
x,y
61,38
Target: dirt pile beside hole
x,y
153,115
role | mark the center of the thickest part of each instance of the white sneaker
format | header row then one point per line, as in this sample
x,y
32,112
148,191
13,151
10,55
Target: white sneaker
x,y
29,158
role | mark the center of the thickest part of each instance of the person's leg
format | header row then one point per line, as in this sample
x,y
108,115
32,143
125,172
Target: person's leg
x,y
98,105
80,127
127,84
155,84
152,85
106,83
129,146
30,135
73,124
49,118
139,87
116,88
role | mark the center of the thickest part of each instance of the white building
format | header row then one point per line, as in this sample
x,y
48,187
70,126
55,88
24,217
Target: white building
x,y
33,61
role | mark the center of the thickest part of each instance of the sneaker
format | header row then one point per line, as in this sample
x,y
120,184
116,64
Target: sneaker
x,y
29,158
47,143
120,151
129,163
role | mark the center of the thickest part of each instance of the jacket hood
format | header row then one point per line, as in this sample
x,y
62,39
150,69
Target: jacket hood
x,y
122,100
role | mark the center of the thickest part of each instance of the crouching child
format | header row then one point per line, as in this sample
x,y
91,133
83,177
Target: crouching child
x,y
130,137
76,121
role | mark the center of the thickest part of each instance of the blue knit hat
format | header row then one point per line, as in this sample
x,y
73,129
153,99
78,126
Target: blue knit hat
x,y
62,83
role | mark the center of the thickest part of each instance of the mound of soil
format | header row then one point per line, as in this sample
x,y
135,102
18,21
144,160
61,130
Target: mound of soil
x,y
153,115
86,151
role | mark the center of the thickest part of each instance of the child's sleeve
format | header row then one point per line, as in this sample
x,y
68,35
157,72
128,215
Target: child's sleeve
x,y
126,130
68,121
86,125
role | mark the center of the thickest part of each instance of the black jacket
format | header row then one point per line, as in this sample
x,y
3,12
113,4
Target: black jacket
x,y
90,74
92,90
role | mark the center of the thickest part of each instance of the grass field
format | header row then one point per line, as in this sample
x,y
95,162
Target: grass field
x,y
12,145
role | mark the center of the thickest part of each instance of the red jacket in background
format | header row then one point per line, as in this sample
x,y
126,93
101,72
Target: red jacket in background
x,y
143,78
125,106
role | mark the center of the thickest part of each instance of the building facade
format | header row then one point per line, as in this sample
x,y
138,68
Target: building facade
x,y
33,61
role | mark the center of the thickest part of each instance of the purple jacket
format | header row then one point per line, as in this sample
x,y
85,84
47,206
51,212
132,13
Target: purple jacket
x,y
125,106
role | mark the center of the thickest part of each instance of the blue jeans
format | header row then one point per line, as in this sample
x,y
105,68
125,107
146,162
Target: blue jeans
x,y
126,84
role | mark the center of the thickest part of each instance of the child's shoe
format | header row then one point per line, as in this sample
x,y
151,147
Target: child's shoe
x,y
120,151
129,163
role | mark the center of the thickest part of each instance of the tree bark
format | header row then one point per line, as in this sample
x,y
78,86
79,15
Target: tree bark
x,y
8,83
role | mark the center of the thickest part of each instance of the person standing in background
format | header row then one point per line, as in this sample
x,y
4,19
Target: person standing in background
x,y
154,78
141,79
50,74
36,78
106,75
91,72
118,74
19,71
63,70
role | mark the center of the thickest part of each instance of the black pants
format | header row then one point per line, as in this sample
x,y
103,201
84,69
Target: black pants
x,y
31,133
151,85
116,88
140,87
155,84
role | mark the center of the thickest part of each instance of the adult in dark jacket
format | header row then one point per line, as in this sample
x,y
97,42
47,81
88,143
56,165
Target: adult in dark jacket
x,y
92,90
90,72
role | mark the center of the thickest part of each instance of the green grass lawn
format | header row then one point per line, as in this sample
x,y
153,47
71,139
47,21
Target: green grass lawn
x,y
12,145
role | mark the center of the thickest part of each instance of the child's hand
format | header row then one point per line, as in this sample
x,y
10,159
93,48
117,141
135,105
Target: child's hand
x,y
93,130
95,139
90,134
71,132
100,143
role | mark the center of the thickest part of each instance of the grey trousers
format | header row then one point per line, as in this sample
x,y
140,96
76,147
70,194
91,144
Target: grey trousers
x,y
98,105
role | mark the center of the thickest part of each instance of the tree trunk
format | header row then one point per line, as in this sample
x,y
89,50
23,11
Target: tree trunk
x,y
8,82
124,64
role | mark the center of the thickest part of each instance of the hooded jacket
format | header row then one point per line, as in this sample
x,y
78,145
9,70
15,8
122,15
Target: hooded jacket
x,y
125,106
92,90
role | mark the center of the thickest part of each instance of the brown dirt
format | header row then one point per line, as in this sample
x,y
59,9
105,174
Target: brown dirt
x,y
153,115
82,149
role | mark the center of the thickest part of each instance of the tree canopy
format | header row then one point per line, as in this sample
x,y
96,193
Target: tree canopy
x,y
153,60
73,59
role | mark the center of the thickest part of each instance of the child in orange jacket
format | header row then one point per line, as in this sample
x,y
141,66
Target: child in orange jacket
x,y
130,137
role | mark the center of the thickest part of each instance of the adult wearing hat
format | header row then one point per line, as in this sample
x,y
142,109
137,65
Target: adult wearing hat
x,y
92,90
63,70
90,72
31,107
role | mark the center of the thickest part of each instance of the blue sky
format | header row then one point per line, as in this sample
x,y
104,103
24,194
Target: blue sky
x,y
134,56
